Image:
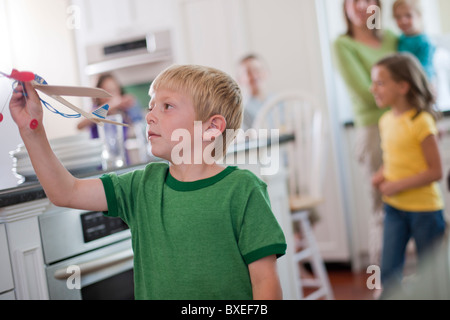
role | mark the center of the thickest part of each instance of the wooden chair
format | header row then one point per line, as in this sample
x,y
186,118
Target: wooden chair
x,y
299,115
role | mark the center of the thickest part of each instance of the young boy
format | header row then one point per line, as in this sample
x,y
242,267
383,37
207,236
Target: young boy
x,y
408,15
199,230
252,77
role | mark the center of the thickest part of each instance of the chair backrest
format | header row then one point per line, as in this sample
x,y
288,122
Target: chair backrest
x,y
298,114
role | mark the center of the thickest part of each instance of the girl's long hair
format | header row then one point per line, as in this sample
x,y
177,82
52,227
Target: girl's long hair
x,y
349,32
406,67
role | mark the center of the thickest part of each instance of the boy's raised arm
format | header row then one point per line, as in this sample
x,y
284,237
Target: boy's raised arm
x,y
60,186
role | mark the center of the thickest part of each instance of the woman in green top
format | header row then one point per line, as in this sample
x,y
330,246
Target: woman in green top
x,y
356,52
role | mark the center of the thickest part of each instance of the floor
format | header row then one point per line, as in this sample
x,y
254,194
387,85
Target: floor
x,y
347,285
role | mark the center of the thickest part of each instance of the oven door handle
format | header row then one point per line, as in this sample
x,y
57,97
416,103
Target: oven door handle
x,y
96,265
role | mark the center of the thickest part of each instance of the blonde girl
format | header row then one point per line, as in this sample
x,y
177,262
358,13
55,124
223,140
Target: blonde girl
x,y
408,178
408,15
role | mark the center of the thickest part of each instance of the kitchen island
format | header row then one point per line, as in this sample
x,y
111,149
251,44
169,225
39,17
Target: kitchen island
x,y
24,259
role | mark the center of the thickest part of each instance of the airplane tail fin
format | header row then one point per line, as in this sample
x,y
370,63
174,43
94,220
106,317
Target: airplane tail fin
x,y
101,112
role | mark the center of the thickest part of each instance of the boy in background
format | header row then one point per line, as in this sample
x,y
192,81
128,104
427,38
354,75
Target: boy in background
x,y
252,76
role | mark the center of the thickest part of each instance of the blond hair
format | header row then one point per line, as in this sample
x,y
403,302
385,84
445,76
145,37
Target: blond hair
x,y
414,4
406,67
213,92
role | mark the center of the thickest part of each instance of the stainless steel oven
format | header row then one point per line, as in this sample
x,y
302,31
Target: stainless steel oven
x,y
88,256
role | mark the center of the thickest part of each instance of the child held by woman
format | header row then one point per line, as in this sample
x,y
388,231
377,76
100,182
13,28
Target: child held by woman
x,y
408,16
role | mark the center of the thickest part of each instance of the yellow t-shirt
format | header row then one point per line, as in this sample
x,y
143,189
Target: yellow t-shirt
x,y
401,138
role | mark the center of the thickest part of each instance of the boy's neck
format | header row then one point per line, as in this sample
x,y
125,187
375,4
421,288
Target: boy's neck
x,y
194,172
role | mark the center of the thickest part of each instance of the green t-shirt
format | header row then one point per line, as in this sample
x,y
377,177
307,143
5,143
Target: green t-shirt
x,y
355,61
194,240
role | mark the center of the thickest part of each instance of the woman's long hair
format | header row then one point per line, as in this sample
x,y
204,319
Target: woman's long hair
x,y
406,67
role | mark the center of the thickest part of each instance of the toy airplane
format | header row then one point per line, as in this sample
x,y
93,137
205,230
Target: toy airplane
x,y
98,116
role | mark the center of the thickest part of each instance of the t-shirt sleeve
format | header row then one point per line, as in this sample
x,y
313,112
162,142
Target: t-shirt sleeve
x,y
119,191
260,235
425,126
110,193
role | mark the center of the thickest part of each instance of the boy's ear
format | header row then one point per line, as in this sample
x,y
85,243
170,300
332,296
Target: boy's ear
x,y
215,126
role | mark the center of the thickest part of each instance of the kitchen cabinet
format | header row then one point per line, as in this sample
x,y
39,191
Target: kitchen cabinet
x,y
212,32
101,21
196,26
25,249
6,278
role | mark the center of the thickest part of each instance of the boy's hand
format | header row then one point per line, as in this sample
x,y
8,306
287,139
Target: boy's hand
x,y
25,109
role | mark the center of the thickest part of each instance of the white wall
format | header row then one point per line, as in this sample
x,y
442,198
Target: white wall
x,y
43,44
445,9
9,135
34,37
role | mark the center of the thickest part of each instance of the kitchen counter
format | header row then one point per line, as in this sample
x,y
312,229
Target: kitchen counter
x,y
351,124
30,191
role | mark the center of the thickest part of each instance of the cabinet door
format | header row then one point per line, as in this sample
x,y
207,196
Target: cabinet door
x,y
212,32
105,21
6,279
154,15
